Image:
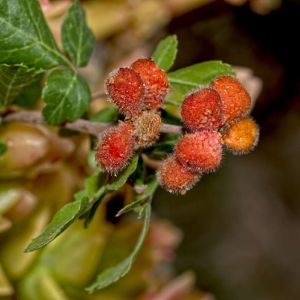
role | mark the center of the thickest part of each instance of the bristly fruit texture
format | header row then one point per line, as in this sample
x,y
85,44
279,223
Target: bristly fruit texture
x,y
174,178
202,110
206,114
146,129
155,80
126,89
200,151
241,137
139,92
115,148
236,101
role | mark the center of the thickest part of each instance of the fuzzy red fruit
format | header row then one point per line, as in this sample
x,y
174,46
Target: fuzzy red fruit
x,y
242,137
200,151
115,148
202,110
126,89
155,80
174,178
235,99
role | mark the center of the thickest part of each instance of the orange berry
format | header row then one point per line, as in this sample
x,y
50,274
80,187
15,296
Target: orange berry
x,y
174,178
146,129
235,99
202,110
200,151
115,148
126,89
155,80
242,137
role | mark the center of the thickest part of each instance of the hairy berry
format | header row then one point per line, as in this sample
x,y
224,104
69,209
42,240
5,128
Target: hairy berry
x,y
146,129
242,137
200,151
126,89
202,110
173,177
115,148
235,99
155,80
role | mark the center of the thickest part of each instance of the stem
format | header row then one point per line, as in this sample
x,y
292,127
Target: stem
x,y
81,125
98,94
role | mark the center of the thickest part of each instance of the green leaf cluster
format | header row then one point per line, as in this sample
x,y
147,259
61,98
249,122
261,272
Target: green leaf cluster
x,y
28,49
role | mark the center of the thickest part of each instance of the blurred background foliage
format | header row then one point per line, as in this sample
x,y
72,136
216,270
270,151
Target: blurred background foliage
x,y
239,228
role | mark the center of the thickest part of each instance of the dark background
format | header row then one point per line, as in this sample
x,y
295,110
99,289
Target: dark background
x,y
242,224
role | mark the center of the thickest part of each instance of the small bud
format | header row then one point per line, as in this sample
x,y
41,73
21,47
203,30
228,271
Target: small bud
x,y
146,129
126,89
200,151
115,148
242,137
174,178
155,80
235,99
202,110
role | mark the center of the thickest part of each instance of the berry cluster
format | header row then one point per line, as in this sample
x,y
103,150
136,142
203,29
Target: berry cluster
x,y
213,117
139,92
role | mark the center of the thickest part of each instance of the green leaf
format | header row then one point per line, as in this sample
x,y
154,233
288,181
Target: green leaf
x,y
3,148
13,79
77,38
66,95
115,273
61,221
140,199
25,37
30,95
123,177
107,114
193,77
67,214
165,53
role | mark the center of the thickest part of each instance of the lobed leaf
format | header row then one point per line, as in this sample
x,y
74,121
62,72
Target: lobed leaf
x,y
192,77
25,37
115,273
13,80
165,53
78,40
66,96
31,94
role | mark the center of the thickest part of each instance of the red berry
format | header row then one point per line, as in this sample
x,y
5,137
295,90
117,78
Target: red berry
x,y
115,148
173,177
202,110
235,99
241,137
126,89
146,129
200,151
155,80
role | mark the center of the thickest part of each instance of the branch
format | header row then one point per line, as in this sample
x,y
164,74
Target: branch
x,y
98,94
81,125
